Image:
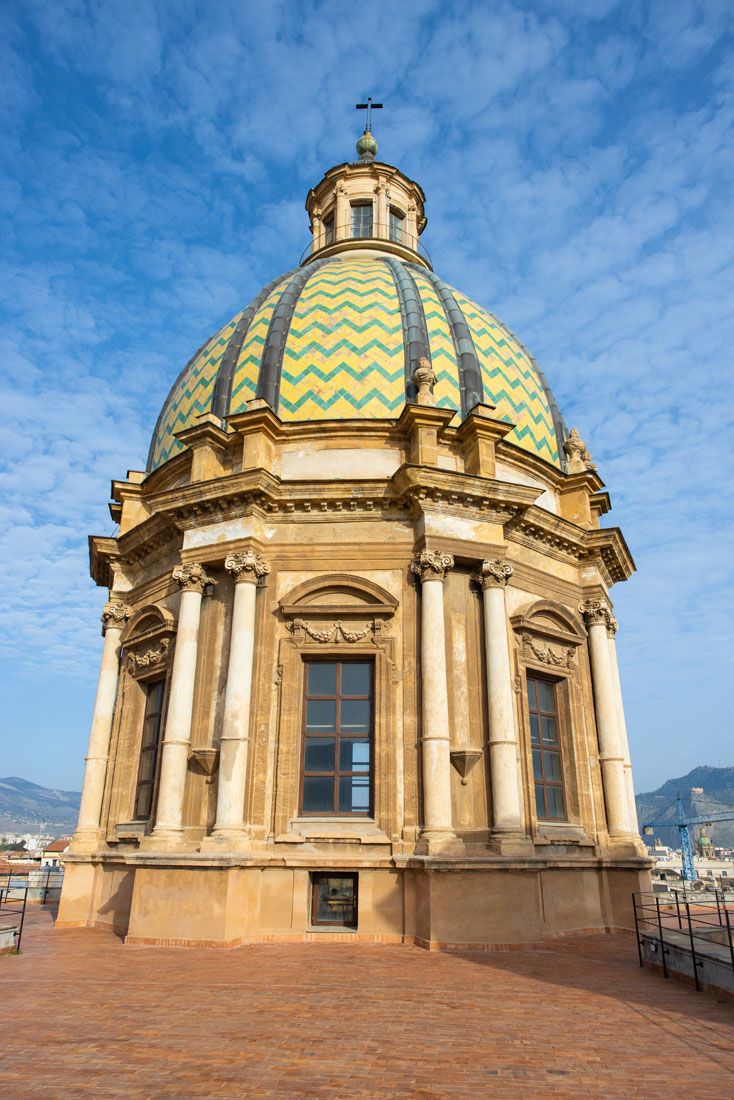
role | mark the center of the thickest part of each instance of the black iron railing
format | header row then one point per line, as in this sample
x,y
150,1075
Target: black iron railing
x,y
376,234
695,923
13,903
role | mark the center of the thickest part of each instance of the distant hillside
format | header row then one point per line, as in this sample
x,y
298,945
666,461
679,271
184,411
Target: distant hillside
x,y
25,806
717,797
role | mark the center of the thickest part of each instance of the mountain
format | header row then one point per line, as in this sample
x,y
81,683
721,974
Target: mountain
x,y
717,785
25,807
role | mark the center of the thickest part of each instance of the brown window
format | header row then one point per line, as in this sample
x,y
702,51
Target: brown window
x,y
149,749
334,900
337,738
550,803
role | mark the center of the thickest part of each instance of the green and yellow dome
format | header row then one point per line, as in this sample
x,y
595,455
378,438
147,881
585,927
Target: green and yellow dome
x,y
340,338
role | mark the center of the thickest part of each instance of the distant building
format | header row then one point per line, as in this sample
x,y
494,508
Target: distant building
x,y
51,854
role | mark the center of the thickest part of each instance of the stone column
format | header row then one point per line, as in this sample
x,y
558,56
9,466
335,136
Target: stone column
x,y
507,815
114,616
412,225
177,738
617,685
431,566
381,227
342,229
611,753
247,568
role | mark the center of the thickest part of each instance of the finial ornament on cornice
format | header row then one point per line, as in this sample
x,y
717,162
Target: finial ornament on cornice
x,y
424,378
115,613
596,611
246,566
494,573
192,577
579,456
432,565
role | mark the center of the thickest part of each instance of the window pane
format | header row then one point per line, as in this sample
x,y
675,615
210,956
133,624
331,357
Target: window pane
x,y
356,679
550,731
321,715
362,220
147,766
318,794
329,230
556,804
335,900
539,802
537,771
154,698
534,729
396,226
321,679
319,755
552,766
354,716
354,794
354,755
150,731
532,694
143,801
547,694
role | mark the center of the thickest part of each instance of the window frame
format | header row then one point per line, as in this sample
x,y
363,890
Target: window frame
x,y
328,225
153,748
394,213
314,878
532,676
362,206
337,773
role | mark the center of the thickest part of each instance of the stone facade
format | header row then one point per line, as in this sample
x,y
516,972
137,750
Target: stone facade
x,y
452,561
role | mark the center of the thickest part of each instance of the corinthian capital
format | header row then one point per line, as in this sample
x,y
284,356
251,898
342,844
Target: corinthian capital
x,y
115,613
192,577
432,565
495,573
247,566
612,625
596,611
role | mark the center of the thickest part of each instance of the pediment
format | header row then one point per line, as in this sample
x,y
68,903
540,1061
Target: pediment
x,y
338,593
549,620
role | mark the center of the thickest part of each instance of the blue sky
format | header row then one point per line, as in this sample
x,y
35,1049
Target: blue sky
x,y
577,158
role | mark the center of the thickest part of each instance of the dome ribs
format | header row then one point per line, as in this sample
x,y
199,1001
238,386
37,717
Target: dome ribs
x,y
413,318
223,387
268,383
470,376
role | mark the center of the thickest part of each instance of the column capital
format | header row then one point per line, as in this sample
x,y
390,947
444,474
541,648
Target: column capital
x,y
495,573
192,577
115,613
596,611
246,566
612,625
432,565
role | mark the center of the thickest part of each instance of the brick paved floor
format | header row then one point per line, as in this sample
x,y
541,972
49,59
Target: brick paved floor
x,y
83,1015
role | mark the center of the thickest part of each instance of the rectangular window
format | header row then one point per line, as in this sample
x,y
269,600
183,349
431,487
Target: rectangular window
x,y
337,738
334,900
396,226
362,219
550,803
149,749
329,230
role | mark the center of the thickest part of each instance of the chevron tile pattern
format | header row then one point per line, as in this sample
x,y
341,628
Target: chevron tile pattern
x,y
511,382
344,353
344,359
244,379
191,396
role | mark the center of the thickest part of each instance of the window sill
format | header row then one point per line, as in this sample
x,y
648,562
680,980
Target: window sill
x,y
561,832
361,830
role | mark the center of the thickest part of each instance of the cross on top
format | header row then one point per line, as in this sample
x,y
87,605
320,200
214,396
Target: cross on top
x,y
369,107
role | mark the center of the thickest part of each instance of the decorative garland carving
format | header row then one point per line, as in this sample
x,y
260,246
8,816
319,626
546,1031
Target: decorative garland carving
x,y
336,632
432,565
547,655
139,662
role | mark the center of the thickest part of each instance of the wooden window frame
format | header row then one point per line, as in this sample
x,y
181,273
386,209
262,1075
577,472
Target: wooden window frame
x,y
397,215
533,677
337,737
153,748
365,206
314,879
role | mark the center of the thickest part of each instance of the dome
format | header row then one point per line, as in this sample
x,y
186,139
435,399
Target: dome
x,y
340,338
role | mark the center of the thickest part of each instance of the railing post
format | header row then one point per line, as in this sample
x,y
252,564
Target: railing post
x,y
677,906
662,941
22,919
693,948
718,907
637,929
728,932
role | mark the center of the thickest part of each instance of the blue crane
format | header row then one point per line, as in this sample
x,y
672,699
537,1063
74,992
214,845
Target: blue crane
x,y
683,824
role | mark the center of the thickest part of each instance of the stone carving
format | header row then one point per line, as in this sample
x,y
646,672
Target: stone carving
x,y
334,633
612,625
247,566
596,611
547,655
432,565
494,573
152,657
115,613
192,577
425,380
579,457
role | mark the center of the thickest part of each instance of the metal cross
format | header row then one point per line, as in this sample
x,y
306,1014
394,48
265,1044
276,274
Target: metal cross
x,y
369,107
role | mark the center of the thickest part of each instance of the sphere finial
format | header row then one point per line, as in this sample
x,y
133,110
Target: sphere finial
x,y
367,146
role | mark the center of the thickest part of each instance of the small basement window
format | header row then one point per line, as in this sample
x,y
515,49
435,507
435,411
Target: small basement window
x,y
333,900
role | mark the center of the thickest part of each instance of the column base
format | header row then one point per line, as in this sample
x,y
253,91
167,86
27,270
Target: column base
x,y
86,841
511,844
163,839
227,840
432,842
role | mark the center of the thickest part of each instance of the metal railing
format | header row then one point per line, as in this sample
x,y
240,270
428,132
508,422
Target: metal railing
x,y
39,884
378,234
13,903
693,923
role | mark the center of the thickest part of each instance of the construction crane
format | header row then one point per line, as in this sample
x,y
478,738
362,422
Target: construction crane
x,y
683,824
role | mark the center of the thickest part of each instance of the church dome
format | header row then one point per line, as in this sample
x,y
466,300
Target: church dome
x,y
340,338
